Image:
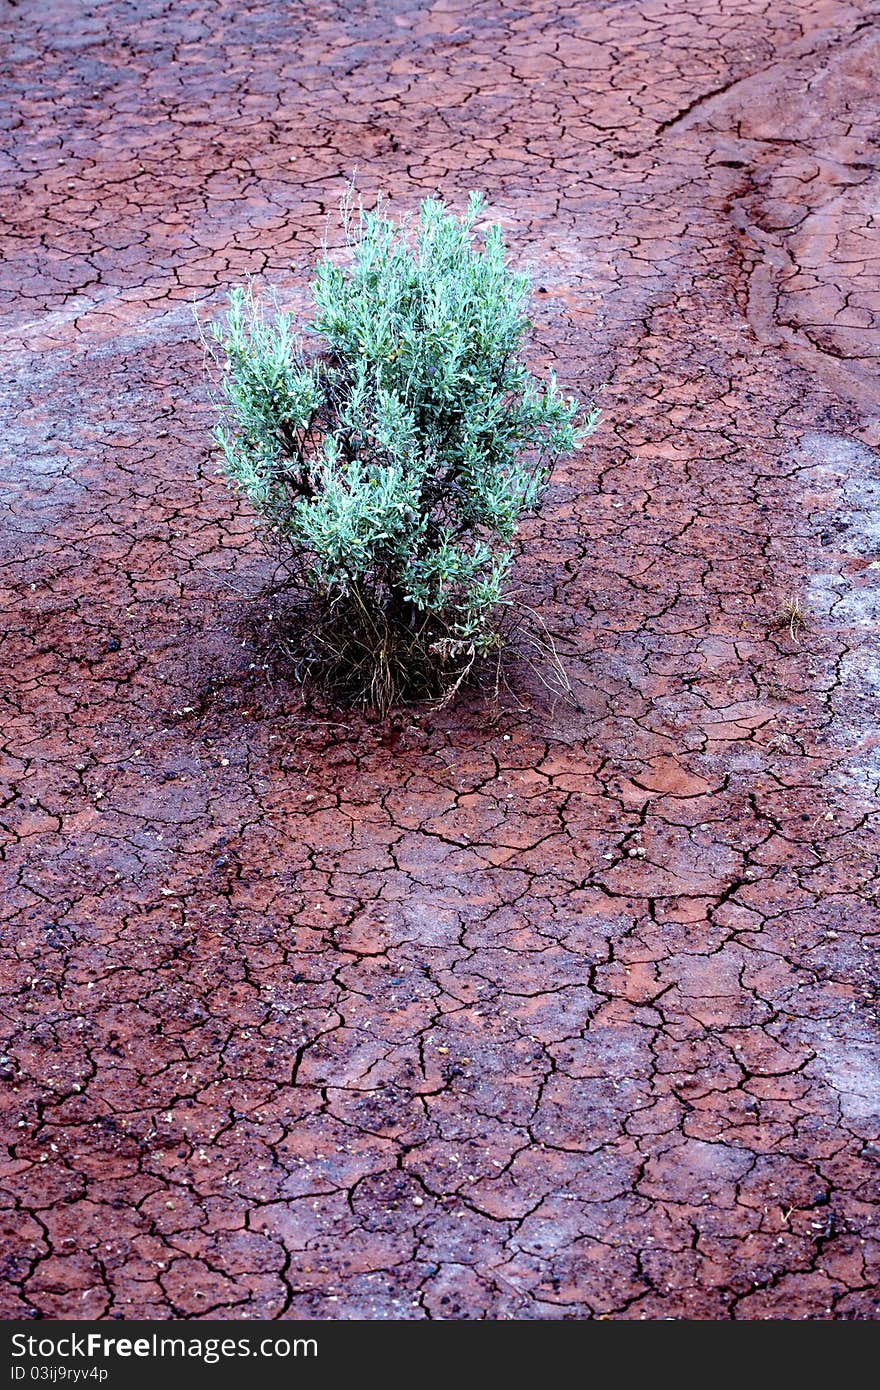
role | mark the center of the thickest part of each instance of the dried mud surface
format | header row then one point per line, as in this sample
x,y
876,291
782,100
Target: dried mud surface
x,y
533,1013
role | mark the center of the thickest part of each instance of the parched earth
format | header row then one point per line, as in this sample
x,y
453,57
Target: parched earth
x,y
509,1011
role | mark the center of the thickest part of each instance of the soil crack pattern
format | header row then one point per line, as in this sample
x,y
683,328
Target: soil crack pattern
x,y
528,1011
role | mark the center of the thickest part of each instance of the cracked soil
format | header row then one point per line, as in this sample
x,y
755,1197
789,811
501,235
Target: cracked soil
x,y
531,1012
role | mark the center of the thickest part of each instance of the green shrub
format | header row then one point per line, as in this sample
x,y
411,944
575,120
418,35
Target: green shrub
x,y
392,466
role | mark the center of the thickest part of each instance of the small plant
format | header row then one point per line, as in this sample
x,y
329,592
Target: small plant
x,y
792,615
391,466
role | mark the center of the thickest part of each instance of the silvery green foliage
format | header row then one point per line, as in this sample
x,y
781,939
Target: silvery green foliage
x,y
396,463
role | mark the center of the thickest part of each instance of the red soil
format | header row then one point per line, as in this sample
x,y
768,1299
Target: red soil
x,y
541,1014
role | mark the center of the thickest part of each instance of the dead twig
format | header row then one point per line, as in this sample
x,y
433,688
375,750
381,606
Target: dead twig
x,y
792,615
